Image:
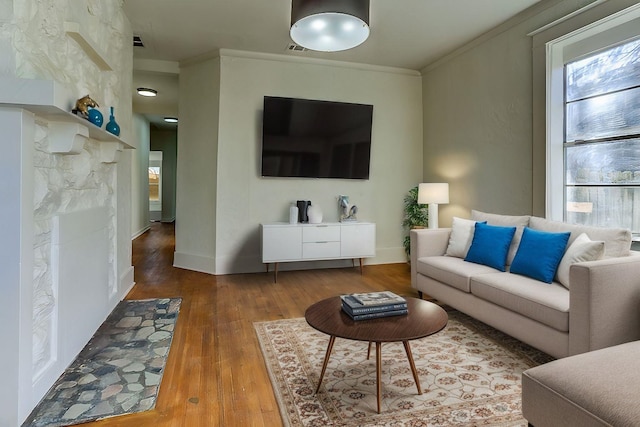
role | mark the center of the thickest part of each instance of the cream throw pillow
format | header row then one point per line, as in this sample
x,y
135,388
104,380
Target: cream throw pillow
x,y
461,237
582,249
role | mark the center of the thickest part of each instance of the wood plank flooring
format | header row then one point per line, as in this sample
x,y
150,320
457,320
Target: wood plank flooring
x,y
215,373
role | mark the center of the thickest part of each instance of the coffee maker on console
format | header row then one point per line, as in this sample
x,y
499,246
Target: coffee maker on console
x,y
303,205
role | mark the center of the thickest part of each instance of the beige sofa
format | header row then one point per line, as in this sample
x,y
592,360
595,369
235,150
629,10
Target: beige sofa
x,y
600,308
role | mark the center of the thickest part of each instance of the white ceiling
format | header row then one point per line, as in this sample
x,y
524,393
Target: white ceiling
x,y
404,33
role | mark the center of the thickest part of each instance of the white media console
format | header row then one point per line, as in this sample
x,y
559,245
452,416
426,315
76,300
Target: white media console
x,y
284,242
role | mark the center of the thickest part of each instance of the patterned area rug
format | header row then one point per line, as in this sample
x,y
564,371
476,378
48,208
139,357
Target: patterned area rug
x,y
119,370
470,375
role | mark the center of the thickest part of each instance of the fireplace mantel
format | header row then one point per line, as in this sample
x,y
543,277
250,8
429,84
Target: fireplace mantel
x,y
48,100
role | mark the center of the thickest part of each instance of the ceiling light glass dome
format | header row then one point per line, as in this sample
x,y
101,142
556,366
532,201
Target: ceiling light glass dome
x,y
329,25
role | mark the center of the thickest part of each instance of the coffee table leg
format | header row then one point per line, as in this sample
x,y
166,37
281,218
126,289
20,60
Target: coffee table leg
x,y
326,361
378,372
413,365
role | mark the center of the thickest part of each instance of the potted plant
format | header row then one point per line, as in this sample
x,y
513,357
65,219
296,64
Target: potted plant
x,y
415,216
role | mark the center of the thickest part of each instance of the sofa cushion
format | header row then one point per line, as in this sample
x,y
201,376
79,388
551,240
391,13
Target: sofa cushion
x,y
582,249
539,254
617,241
453,271
461,237
490,245
518,221
545,303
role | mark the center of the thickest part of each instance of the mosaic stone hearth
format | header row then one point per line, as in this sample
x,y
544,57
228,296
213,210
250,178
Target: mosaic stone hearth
x,y
119,370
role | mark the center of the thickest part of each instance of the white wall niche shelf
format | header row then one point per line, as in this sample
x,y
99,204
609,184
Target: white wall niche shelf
x,y
93,51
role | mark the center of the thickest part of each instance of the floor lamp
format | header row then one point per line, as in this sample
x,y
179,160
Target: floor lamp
x,y
433,194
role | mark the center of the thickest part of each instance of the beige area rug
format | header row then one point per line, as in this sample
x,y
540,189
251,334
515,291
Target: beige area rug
x,y
470,375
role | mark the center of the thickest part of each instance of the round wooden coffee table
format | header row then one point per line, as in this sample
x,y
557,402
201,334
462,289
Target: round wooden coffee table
x,y
423,319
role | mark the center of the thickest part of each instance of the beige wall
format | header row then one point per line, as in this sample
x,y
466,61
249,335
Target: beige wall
x,y
245,199
478,126
221,197
139,176
197,166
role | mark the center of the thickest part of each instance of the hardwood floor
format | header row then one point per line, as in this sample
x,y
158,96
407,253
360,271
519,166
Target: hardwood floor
x,y
215,373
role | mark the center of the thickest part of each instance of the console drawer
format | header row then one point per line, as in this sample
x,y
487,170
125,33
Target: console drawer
x,y
321,233
313,250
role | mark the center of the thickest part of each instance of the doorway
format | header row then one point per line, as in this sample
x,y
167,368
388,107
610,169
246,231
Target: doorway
x,y
155,185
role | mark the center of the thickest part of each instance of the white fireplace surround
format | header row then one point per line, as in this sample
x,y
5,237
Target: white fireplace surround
x,y
58,183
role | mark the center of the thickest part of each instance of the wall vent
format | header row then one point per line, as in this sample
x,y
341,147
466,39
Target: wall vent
x,y
137,41
292,47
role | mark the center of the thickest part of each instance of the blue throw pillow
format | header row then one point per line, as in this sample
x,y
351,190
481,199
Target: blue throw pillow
x,y
539,254
490,245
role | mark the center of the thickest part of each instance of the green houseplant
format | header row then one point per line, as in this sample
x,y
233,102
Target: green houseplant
x,y
415,216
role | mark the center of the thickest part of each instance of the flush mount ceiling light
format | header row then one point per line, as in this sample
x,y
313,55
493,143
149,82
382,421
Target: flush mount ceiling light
x,y
171,119
147,92
329,25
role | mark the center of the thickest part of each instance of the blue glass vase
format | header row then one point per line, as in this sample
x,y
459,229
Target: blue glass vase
x,y
95,117
112,126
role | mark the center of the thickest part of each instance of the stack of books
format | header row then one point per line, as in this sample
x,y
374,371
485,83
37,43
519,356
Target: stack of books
x,y
373,305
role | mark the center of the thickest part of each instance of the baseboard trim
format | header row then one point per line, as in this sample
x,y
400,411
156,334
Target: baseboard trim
x,y
200,263
141,232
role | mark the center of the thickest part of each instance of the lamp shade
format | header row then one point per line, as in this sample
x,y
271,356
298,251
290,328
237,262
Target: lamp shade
x,y
329,25
433,193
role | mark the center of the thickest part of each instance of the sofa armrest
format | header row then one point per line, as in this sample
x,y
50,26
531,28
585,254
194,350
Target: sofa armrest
x,y
427,242
604,303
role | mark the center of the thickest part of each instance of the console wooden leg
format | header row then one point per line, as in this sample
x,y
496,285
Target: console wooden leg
x,y
361,265
275,272
369,350
420,294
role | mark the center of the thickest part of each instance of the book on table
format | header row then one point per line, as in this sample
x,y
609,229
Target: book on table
x,y
388,304
378,298
376,314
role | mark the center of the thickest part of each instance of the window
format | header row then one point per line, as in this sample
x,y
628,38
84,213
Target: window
x,y
602,138
593,119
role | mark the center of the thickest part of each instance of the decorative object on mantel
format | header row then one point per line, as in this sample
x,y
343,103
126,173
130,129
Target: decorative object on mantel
x,y
112,126
82,106
315,214
95,117
347,212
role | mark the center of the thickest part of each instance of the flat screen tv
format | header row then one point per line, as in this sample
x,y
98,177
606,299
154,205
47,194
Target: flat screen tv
x,y
303,138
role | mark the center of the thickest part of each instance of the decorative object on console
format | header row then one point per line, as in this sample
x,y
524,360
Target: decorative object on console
x,y
415,216
433,194
95,117
347,211
329,25
314,214
293,214
343,207
303,206
82,106
112,126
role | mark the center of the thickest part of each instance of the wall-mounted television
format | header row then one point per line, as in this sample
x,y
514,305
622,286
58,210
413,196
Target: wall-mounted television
x,y
303,138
